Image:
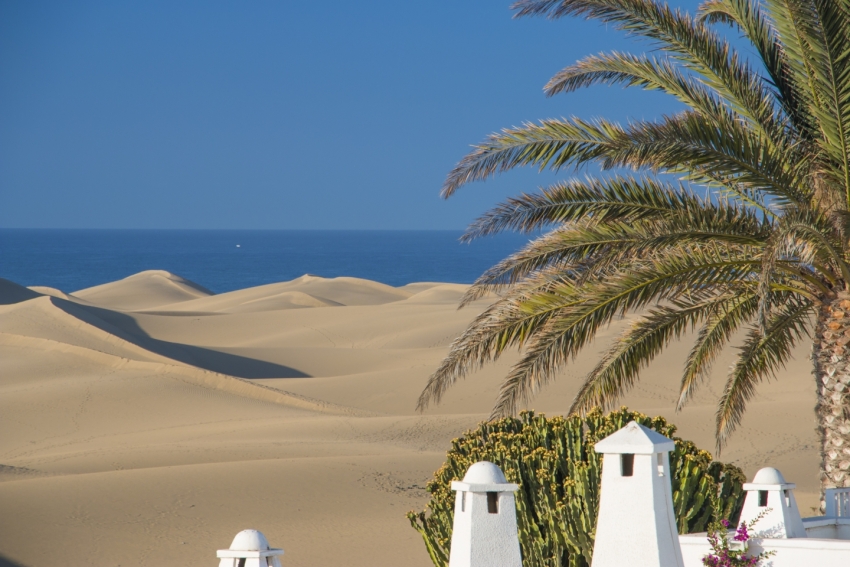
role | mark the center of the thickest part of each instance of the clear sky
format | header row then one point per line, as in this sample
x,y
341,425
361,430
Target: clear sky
x,y
276,115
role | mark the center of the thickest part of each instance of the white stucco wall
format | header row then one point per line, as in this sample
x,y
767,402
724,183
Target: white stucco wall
x,y
799,552
820,541
824,527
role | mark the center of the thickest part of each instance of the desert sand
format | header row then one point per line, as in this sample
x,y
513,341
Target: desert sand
x,y
147,421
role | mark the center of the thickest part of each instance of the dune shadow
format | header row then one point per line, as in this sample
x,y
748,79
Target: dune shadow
x,y
6,562
11,293
125,327
226,363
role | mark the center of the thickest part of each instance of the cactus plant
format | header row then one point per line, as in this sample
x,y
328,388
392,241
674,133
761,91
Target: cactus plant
x,y
553,461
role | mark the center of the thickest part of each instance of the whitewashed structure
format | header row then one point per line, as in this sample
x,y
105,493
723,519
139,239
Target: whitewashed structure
x,y
636,525
769,493
484,533
823,541
250,548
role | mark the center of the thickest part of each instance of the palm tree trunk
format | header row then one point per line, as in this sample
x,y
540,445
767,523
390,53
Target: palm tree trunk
x,y
831,356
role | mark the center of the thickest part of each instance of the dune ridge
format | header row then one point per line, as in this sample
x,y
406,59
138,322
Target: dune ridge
x,y
306,291
148,420
143,291
53,292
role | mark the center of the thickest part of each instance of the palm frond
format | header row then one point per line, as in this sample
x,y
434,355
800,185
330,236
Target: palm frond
x,y
650,73
554,143
708,150
761,356
720,324
593,246
509,322
617,198
673,276
814,34
567,250
808,237
750,19
686,39
620,366
833,72
688,143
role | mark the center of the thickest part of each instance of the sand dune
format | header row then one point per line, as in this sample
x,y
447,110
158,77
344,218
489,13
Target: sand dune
x,y
306,291
53,292
451,293
144,290
146,421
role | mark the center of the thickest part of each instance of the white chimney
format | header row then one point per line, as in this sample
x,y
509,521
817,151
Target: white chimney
x,y
636,525
485,532
768,492
250,548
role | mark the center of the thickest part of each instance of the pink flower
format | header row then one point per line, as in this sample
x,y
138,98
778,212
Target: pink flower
x,y
741,534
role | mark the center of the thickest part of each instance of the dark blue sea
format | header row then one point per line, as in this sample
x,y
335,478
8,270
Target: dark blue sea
x,y
225,260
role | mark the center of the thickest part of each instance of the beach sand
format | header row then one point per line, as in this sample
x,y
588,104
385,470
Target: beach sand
x,y
147,421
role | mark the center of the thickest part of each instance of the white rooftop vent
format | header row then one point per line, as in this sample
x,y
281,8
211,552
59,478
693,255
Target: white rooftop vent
x,y
772,498
484,532
250,548
636,525
635,439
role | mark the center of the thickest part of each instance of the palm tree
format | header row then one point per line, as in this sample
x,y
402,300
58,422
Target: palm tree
x,y
736,217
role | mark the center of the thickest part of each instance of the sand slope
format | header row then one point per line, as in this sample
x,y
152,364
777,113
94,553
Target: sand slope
x,y
306,291
144,290
146,421
10,292
53,292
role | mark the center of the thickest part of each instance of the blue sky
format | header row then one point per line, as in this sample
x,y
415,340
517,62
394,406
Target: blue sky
x,y
275,115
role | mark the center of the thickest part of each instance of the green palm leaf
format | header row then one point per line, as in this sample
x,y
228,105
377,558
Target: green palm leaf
x,y
726,318
761,356
690,272
620,367
755,25
617,198
682,37
612,231
687,143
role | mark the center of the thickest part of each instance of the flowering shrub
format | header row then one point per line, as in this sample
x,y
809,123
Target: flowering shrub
x,y
732,554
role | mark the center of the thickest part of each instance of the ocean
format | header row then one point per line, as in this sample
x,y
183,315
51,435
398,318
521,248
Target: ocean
x,y
225,260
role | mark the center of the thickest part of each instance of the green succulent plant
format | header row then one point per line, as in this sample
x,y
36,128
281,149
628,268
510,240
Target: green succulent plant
x,y
558,472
